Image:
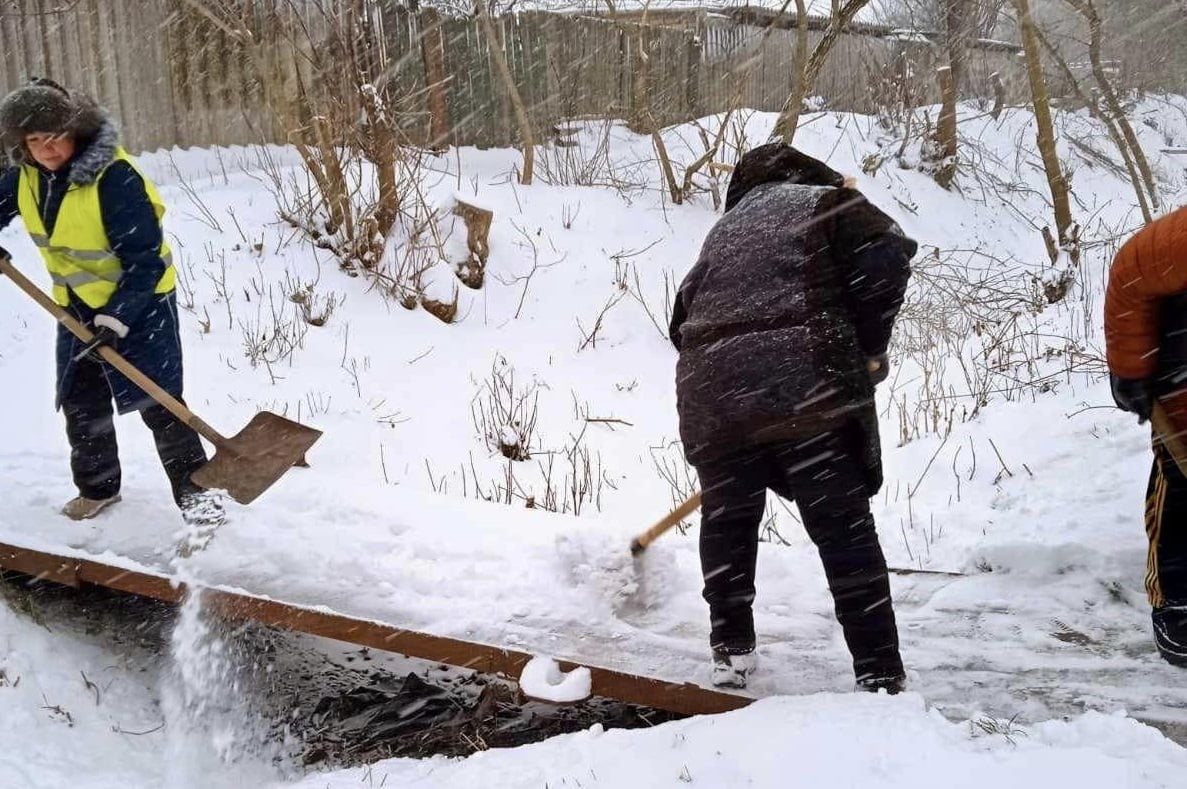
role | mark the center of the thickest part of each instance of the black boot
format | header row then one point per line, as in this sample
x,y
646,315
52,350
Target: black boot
x,y
1170,633
731,669
203,509
893,685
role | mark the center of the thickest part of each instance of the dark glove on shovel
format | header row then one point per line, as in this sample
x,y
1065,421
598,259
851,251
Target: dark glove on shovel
x,y
104,335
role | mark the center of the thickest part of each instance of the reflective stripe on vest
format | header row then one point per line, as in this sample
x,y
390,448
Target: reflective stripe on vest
x,y
83,278
78,254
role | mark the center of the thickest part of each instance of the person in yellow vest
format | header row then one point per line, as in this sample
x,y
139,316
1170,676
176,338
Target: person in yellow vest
x,y
96,219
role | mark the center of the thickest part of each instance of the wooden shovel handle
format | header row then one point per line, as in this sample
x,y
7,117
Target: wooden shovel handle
x,y
1169,435
80,331
640,543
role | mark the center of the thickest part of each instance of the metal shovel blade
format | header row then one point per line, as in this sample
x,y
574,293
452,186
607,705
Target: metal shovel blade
x,y
252,460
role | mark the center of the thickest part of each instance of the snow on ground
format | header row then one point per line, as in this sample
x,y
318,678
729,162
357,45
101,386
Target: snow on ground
x,y
57,729
1036,495
819,740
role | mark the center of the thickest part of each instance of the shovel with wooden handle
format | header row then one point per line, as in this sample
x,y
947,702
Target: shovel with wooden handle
x,y
1169,436
640,543
246,464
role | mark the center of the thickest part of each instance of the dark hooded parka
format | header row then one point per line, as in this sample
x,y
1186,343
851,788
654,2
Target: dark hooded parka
x,y
797,286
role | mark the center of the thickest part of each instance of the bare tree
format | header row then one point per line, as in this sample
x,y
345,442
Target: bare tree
x,y
789,115
961,22
1087,9
1099,114
958,23
1067,232
799,61
980,18
943,148
527,139
433,57
323,75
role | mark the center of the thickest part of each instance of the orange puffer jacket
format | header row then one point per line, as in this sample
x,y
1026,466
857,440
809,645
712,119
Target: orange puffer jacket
x,y
1146,311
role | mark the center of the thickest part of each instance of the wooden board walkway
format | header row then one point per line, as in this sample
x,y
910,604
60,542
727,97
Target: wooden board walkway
x,y
683,698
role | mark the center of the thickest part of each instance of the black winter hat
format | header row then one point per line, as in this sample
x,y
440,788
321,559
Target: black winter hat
x,y
42,105
777,162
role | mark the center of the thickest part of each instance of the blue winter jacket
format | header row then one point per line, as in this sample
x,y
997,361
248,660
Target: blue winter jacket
x,y
153,344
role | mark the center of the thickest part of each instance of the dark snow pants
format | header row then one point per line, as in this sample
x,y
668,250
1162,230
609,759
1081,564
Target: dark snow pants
x,y
1166,513
94,454
825,477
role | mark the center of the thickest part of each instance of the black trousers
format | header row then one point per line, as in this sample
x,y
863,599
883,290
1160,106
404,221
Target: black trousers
x,y
94,452
1166,528
824,476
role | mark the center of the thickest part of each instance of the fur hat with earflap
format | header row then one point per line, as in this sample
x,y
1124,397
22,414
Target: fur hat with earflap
x,y
44,106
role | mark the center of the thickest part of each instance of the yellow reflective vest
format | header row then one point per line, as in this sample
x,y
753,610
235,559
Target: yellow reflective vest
x,y
78,254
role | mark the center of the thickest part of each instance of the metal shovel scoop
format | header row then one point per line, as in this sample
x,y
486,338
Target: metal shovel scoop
x,y
244,465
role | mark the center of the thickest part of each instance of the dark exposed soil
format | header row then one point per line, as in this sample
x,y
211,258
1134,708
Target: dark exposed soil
x,y
334,704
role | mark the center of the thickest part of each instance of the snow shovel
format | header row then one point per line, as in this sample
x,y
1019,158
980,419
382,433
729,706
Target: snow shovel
x,y
640,543
1170,437
244,465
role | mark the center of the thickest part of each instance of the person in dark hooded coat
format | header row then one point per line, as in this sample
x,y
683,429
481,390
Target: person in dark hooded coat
x,y
782,326
97,222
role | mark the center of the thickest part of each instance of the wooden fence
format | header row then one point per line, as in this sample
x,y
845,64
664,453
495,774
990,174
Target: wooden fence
x,y
173,75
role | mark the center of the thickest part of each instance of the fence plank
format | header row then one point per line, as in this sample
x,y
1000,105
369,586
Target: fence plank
x,y
189,83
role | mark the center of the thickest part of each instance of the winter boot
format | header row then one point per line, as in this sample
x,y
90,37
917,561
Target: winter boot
x,y
80,508
1170,633
202,513
203,510
893,685
730,669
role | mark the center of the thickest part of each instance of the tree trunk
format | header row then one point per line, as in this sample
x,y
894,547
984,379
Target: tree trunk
x,y
527,137
1114,132
956,39
380,145
1096,34
945,140
800,60
999,95
640,116
789,116
433,54
957,35
1056,181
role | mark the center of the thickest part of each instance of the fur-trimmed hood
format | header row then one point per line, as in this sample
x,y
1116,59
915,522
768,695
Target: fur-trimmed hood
x,y
45,106
91,160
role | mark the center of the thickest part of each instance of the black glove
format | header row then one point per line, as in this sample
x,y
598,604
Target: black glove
x,y
103,335
1134,395
878,367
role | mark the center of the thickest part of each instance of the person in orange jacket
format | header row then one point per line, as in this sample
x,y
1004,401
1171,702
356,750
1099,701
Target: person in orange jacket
x,y
1146,344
